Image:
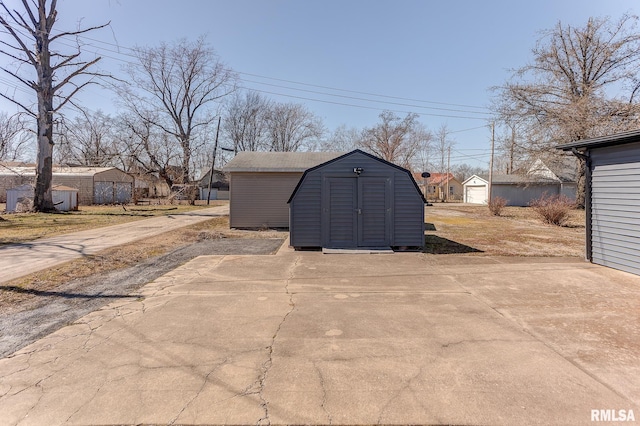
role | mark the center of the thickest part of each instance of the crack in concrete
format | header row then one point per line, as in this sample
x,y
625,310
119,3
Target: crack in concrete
x,y
85,403
37,386
204,383
398,393
323,404
266,366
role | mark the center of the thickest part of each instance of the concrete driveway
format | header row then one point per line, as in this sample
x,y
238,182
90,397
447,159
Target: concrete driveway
x,y
307,338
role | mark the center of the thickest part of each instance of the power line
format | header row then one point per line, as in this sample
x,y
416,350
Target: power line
x,y
118,46
360,93
99,50
361,106
365,99
467,130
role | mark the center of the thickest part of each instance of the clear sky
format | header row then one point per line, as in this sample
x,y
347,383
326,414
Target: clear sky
x,y
437,59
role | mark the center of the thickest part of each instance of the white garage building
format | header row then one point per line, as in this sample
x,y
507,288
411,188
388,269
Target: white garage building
x,y
475,190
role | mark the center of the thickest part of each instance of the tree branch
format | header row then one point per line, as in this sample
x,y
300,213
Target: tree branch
x,y
75,33
27,110
77,72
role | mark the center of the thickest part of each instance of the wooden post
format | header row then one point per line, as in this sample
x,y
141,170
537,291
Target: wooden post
x,y
493,134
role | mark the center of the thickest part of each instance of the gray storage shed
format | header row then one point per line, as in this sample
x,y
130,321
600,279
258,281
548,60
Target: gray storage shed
x,y
612,199
260,184
357,200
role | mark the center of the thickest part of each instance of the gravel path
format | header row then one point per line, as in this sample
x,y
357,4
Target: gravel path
x,y
51,310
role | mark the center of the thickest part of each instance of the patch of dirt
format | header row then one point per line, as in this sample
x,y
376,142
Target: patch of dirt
x,y
34,306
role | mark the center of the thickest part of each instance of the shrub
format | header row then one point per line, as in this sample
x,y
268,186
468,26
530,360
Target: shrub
x,y
553,209
496,204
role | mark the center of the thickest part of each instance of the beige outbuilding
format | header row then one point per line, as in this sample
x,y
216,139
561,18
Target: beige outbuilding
x,y
95,185
261,183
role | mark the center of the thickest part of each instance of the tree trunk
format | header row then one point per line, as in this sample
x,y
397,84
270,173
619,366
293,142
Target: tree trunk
x,y
186,159
43,200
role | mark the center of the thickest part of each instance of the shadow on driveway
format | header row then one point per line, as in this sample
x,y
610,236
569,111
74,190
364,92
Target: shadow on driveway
x,y
63,294
438,245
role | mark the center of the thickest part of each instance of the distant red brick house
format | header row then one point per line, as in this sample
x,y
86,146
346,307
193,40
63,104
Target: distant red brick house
x,y
437,186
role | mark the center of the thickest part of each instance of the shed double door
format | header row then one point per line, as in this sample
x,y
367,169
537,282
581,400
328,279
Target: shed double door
x,y
356,212
112,192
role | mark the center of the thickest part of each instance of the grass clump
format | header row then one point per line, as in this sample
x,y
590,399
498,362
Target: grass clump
x,y
496,205
553,209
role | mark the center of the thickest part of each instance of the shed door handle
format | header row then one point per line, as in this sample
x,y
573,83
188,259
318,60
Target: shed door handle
x,y
359,211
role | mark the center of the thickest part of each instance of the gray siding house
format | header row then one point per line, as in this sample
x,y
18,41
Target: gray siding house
x,y
612,199
260,183
357,200
521,189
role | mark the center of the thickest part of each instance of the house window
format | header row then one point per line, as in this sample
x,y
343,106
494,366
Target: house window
x,y
451,190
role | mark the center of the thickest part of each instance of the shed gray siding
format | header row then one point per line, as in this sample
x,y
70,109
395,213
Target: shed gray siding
x,y
260,199
523,195
306,228
615,207
408,218
392,208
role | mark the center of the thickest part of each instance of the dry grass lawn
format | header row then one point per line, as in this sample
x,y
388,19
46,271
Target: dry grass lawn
x,y
517,232
21,227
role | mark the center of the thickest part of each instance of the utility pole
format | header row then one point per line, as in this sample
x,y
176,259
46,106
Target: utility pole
x,y
213,162
493,136
448,171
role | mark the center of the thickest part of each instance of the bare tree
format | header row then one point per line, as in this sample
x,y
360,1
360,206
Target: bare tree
x,y
14,135
464,171
443,145
30,35
342,139
394,139
292,127
148,150
562,96
176,88
245,122
88,140
512,150
423,138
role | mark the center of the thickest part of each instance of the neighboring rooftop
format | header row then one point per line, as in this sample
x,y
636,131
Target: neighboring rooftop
x,y
520,179
602,141
438,178
250,161
58,170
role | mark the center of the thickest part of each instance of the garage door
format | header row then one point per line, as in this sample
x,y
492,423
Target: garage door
x,y
123,192
476,194
103,193
615,209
